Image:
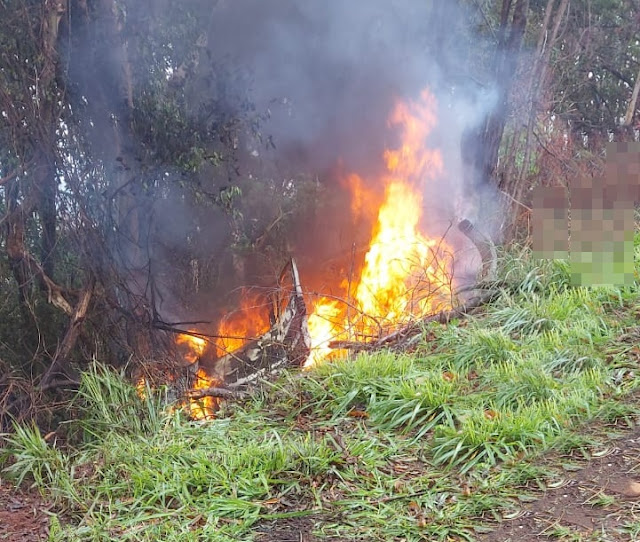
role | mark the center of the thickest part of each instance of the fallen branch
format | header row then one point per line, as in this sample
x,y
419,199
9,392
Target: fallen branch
x,y
216,392
414,329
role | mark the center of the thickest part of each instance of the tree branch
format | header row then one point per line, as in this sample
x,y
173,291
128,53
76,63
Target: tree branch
x,y
216,392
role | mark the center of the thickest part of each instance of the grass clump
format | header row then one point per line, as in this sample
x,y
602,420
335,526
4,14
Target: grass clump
x,y
32,456
396,392
475,346
492,435
107,403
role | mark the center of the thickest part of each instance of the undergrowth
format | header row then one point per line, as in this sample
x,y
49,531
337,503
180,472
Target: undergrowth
x,y
414,446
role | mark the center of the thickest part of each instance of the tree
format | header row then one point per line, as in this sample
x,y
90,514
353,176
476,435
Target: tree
x,y
101,123
483,143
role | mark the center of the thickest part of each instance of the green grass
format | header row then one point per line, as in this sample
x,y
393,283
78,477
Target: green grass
x,y
381,447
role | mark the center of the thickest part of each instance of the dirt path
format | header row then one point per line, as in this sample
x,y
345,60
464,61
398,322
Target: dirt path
x,y
600,502
23,515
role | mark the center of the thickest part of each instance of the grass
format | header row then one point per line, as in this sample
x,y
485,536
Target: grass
x,y
381,447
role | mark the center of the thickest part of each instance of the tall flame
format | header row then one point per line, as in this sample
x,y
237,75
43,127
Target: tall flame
x,y
402,277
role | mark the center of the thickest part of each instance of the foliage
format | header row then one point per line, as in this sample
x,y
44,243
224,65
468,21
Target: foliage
x,y
596,65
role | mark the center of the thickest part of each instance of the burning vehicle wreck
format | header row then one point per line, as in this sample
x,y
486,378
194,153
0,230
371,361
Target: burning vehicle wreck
x,y
405,272
289,343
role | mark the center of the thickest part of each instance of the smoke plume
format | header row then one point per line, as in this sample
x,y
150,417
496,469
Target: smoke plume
x,y
329,73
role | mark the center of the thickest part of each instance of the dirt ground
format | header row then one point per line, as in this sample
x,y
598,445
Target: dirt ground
x,y
287,530
594,503
23,516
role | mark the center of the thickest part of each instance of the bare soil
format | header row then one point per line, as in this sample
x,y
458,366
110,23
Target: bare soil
x,y
23,516
286,530
591,504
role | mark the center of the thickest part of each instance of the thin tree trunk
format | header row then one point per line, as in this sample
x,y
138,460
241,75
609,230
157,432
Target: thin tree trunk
x,y
47,188
538,77
531,82
631,108
505,64
45,166
15,232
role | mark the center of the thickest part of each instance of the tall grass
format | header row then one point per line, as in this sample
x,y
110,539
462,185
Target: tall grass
x,y
108,403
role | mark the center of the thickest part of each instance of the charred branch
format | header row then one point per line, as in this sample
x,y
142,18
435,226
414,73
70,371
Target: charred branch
x,y
222,393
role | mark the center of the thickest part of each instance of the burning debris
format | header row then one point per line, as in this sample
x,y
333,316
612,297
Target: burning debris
x,y
404,278
289,342
286,343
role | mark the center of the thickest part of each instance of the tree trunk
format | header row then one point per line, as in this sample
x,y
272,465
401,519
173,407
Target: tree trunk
x,y
505,64
15,232
537,81
481,145
44,165
631,108
47,187
103,73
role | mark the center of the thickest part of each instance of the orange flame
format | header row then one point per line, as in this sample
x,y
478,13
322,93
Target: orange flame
x,y
237,327
192,347
205,407
233,332
325,325
141,387
402,277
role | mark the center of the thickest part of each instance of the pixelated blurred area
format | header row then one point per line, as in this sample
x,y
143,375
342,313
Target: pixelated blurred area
x,y
593,222
550,221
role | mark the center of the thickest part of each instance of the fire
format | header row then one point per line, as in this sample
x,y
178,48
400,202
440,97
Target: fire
x,y
141,386
233,332
192,346
236,328
203,408
324,326
402,276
